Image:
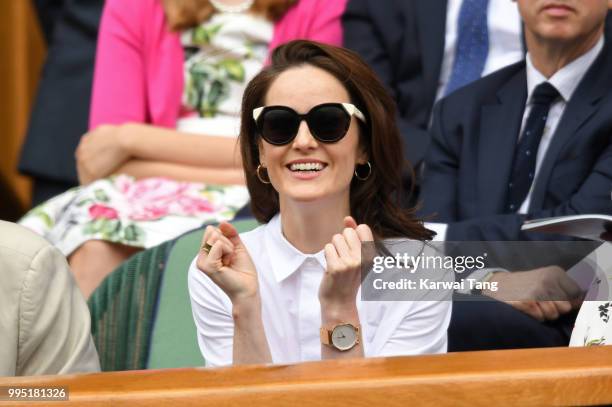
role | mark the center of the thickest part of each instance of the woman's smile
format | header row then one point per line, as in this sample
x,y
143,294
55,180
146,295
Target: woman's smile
x,y
306,168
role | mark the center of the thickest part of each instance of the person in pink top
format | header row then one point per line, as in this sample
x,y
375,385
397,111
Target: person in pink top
x,y
161,156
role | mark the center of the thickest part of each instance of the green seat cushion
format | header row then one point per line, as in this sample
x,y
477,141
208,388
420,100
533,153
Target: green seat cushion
x,y
174,341
123,310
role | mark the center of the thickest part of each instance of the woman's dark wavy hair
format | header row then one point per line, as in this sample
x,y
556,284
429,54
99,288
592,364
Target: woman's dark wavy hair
x,y
375,201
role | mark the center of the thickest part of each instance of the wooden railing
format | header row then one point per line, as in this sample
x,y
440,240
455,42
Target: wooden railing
x,y
558,376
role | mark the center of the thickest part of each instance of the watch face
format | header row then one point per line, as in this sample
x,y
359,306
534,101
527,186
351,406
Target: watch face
x,y
344,337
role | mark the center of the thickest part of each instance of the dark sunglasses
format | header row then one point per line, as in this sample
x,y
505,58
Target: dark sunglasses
x,y
327,122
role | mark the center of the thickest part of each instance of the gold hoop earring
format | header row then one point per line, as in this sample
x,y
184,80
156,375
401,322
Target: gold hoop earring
x,y
263,181
361,178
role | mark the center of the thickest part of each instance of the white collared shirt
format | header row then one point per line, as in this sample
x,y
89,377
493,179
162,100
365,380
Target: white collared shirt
x,y
505,44
289,284
565,80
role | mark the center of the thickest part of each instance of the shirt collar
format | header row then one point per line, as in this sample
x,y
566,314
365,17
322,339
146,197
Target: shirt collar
x,y
567,79
284,257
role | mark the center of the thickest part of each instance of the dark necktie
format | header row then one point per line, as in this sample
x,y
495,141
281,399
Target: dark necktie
x,y
472,44
524,166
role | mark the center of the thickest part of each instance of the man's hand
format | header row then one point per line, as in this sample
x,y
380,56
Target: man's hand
x,y
100,153
544,293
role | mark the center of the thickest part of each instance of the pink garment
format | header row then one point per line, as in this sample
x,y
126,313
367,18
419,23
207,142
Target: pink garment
x,y
139,62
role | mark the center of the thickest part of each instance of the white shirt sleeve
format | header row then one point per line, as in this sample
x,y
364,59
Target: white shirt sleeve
x,y
212,314
421,331
418,325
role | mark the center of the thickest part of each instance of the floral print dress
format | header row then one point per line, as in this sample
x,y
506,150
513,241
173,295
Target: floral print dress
x,y
594,321
221,57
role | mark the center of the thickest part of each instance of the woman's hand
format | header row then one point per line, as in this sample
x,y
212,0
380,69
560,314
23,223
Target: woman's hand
x,y
228,263
100,153
340,283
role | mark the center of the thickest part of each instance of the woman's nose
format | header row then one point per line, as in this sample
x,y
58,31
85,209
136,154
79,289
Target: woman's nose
x,y
304,138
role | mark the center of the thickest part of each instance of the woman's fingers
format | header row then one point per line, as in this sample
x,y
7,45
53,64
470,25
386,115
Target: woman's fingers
x,y
349,222
353,241
348,247
206,236
341,246
218,256
212,234
215,254
227,246
342,278
331,257
213,237
228,230
365,233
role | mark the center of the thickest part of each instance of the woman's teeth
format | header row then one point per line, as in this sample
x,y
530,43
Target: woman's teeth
x,y
306,167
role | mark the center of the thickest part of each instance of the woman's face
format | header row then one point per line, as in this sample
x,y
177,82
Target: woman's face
x,y
306,169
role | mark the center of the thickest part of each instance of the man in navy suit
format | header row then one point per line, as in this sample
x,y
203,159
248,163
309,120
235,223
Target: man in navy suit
x,y
412,46
532,140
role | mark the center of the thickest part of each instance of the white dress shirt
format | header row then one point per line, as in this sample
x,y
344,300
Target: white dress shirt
x,y
505,44
565,80
289,284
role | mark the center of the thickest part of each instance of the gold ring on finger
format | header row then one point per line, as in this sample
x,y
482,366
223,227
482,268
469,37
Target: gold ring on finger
x,y
206,247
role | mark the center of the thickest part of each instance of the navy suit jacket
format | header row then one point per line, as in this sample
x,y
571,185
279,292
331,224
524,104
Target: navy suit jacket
x,y
48,12
474,134
403,41
60,113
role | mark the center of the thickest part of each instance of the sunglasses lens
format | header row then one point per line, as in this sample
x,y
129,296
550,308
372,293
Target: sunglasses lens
x,y
329,123
279,126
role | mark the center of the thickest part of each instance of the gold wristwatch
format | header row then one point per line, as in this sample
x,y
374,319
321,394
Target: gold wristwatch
x,y
342,337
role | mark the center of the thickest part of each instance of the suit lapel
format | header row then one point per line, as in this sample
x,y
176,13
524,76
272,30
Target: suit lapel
x,y
431,19
499,128
582,105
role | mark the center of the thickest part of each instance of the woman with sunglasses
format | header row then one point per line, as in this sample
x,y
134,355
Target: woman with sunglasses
x,y
323,163
161,157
